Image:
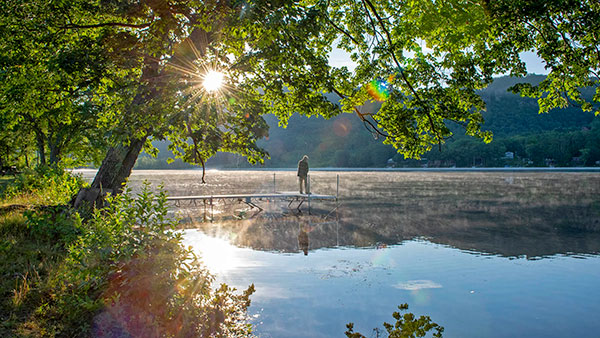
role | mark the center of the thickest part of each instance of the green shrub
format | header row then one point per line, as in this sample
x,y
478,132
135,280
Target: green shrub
x,y
52,185
128,273
55,224
407,326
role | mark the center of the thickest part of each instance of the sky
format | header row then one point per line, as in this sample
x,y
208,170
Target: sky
x,y
535,65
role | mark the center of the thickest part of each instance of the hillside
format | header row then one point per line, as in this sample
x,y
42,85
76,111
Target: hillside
x,y
562,137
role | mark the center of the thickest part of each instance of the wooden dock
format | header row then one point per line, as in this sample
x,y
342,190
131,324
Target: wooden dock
x,y
251,199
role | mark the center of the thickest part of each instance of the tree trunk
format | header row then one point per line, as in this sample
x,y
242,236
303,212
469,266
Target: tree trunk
x,y
54,154
112,174
41,149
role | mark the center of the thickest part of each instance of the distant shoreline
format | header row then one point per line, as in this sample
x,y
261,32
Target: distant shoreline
x,y
497,169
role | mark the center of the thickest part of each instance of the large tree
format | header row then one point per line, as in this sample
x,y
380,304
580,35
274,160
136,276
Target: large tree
x,y
49,78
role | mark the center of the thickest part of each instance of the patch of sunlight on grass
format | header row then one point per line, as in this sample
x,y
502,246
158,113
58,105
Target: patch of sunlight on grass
x,y
28,199
21,290
11,222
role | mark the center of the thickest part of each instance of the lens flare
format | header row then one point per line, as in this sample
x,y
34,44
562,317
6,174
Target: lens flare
x,y
382,257
380,89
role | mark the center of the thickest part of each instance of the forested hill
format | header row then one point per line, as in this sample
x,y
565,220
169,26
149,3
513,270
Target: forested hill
x,y
562,137
509,114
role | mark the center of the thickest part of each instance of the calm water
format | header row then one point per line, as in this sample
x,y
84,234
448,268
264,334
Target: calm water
x,y
484,254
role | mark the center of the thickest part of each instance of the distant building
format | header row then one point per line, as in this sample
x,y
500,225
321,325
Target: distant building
x,y
390,163
509,155
449,164
550,162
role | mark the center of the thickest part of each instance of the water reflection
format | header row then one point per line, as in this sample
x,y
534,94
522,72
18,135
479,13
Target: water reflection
x,y
509,214
437,241
303,239
470,295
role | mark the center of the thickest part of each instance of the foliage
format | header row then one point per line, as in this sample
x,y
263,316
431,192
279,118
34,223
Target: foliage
x,y
123,272
52,185
129,273
406,326
564,34
518,128
49,77
54,224
441,53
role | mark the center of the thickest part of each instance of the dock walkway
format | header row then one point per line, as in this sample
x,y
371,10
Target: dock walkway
x,y
251,198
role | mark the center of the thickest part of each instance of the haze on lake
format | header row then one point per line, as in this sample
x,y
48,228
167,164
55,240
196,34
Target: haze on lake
x,y
485,254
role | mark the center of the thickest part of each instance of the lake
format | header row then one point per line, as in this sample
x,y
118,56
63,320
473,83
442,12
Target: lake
x,y
484,254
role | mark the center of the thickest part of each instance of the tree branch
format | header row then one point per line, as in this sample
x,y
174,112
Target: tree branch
x,y
366,122
106,24
342,31
389,38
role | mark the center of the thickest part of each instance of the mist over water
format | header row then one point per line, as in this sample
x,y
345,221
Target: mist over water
x,y
485,254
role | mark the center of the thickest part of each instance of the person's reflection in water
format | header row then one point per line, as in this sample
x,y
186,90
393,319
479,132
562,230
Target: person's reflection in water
x,y
303,239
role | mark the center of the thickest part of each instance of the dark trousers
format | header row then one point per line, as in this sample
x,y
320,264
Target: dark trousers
x,y
300,180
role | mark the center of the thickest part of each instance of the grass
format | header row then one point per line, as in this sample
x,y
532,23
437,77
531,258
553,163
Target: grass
x,y
25,264
19,201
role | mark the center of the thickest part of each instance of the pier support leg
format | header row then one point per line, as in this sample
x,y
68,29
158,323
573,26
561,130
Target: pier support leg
x,y
308,192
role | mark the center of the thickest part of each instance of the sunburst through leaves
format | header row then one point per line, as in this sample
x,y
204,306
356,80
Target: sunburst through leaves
x,y
213,81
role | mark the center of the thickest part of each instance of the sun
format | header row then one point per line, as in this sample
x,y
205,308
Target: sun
x,y
213,81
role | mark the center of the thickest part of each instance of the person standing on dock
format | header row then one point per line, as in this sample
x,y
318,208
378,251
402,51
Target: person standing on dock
x,y
303,173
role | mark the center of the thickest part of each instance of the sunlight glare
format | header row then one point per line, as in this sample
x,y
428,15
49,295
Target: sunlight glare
x,y
213,80
217,254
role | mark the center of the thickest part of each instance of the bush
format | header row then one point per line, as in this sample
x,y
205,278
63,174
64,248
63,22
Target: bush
x,y
128,274
52,185
55,224
407,326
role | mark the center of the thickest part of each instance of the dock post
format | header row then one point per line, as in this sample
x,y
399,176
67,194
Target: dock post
x,y
308,191
337,207
337,187
274,186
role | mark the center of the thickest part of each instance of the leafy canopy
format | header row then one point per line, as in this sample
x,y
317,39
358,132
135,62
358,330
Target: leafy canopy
x,y
133,69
